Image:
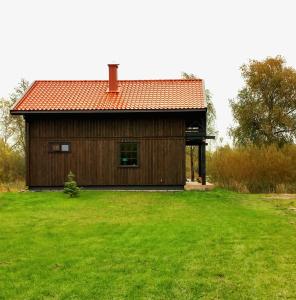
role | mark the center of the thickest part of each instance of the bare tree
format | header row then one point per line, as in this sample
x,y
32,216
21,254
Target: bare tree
x,y
12,129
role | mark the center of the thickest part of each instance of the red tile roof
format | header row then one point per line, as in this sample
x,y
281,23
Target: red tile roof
x,y
133,95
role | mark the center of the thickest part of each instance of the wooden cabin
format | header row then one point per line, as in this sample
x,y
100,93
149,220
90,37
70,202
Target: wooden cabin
x,y
113,133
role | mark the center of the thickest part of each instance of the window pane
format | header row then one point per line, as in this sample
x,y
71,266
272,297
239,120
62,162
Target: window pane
x,y
65,148
133,162
55,147
124,146
123,155
134,147
124,161
127,147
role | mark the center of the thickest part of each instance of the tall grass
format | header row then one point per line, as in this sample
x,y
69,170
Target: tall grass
x,y
252,169
14,186
12,168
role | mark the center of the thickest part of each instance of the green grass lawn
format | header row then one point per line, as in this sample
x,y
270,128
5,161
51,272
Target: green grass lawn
x,y
137,245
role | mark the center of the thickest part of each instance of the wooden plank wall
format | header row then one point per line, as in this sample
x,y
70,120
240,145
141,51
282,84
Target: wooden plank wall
x,y
94,151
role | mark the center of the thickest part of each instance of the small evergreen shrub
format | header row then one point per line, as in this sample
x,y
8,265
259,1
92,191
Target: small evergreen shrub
x,y
71,187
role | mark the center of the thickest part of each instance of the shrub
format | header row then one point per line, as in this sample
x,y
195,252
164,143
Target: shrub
x,y
71,187
12,164
265,169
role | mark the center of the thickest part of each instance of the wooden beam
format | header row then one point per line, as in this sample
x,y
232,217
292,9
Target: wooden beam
x,y
199,161
202,170
191,164
27,151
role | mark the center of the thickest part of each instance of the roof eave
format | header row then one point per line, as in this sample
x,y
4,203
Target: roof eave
x,y
29,112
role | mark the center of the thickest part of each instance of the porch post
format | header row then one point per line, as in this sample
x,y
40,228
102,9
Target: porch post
x,y
27,152
202,160
199,161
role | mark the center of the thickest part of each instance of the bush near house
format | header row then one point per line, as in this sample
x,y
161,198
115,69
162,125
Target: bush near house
x,y
253,169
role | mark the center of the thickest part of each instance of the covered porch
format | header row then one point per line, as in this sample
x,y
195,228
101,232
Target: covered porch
x,y
195,136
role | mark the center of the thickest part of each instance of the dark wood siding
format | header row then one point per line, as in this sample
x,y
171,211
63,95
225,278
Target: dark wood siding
x,y
94,151
94,128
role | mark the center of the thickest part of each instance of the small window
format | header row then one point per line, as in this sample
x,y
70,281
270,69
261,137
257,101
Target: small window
x,y
128,156
59,147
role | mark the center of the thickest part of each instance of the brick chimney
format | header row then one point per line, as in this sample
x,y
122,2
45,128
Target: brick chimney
x,y
113,81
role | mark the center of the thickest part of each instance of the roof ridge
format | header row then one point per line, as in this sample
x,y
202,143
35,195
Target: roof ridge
x,y
124,80
180,79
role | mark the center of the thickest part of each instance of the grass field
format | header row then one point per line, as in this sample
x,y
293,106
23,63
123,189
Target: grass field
x,y
137,245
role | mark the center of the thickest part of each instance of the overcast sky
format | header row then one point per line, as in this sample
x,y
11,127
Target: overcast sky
x,y
60,39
